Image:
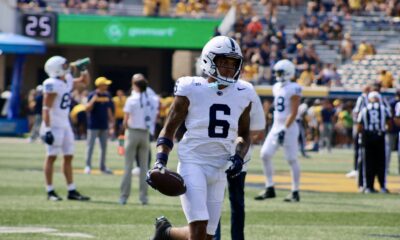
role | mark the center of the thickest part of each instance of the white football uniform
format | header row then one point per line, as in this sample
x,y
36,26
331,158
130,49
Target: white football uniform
x,y
212,126
59,116
257,122
282,96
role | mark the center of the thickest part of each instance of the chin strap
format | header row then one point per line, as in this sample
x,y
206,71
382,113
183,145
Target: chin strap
x,y
213,85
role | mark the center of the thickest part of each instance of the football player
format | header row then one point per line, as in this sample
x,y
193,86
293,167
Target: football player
x,y
216,111
284,131
56,128
236,185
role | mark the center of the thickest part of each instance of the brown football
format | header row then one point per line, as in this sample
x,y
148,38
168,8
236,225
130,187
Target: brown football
x,y
167,182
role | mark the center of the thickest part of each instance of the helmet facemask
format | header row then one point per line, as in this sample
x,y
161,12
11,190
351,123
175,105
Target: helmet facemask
x,y
220,64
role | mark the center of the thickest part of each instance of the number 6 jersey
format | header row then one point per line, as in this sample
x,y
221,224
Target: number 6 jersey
x,y
59,111
212,120
282,94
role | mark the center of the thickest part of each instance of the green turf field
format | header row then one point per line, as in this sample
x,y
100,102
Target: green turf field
x,y
319,215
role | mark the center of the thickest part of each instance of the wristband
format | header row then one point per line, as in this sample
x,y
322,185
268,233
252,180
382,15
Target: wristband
x,y
162,157
165,141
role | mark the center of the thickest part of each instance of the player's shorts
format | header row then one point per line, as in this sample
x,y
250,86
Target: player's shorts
x,y
205,188
63,142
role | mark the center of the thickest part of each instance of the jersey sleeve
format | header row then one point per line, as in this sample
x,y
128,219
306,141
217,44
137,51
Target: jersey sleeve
x,y
127,106
182,86
49,87
257,116
296,90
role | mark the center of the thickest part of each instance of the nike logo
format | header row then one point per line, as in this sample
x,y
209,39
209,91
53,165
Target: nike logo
x,y
240,89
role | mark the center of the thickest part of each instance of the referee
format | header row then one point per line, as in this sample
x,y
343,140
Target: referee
x,y
372,122
362,102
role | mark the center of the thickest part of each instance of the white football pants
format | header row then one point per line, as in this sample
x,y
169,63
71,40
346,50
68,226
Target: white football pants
x,y
290,147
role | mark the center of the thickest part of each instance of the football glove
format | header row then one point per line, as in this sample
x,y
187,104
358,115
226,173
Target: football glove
x,y
281,137
161,166
48,138
236,168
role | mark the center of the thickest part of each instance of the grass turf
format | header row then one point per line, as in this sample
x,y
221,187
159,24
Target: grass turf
x,y
318,216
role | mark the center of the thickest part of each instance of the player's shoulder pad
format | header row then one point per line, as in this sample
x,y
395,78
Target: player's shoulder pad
x,y
184,85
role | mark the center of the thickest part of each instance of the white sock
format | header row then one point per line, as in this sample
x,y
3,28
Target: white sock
x,y
71,187
268,172
295,167
49,188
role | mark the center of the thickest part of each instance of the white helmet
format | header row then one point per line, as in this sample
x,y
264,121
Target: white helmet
x,y
284,70
55,67
225,47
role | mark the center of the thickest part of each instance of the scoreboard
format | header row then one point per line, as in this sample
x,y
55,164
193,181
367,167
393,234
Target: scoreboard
x,y
41,26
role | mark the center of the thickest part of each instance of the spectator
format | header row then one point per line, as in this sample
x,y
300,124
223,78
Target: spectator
x,y
306,77
385,79
119,103
346,47
327,117
100,120
37,110
79,120
254,27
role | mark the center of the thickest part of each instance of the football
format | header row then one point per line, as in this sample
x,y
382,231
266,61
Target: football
x,y
167,182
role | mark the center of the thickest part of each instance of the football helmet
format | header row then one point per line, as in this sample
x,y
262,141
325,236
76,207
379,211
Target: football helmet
x,y
56,66
221,46
284,70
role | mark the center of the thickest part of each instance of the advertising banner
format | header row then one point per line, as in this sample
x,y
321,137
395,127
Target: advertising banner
x,y
135,31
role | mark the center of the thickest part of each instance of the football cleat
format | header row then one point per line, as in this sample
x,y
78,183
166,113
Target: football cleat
x,y
385,191
292,197
162,229
269,193
52,196
370,190
75,195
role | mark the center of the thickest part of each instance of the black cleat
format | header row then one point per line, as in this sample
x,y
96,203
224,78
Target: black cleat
x,y
269,193
52,196
292,197
75,195
162,229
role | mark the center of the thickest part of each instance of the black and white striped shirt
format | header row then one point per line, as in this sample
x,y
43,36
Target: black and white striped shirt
x,y
373,117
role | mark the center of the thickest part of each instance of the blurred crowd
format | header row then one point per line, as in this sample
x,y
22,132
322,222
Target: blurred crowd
x,y
78,111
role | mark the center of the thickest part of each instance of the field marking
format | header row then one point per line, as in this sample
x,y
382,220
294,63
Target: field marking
x,y
309,181
26,230
322,182
74,235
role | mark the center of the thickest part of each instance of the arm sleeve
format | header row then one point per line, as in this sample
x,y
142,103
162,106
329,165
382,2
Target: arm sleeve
x,y
49,87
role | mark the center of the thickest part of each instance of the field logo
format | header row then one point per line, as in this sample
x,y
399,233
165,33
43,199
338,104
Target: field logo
x,y
115,31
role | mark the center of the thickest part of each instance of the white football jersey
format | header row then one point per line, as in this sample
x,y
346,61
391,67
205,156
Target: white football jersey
x,y
59,111
282,95
212,120
257,122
